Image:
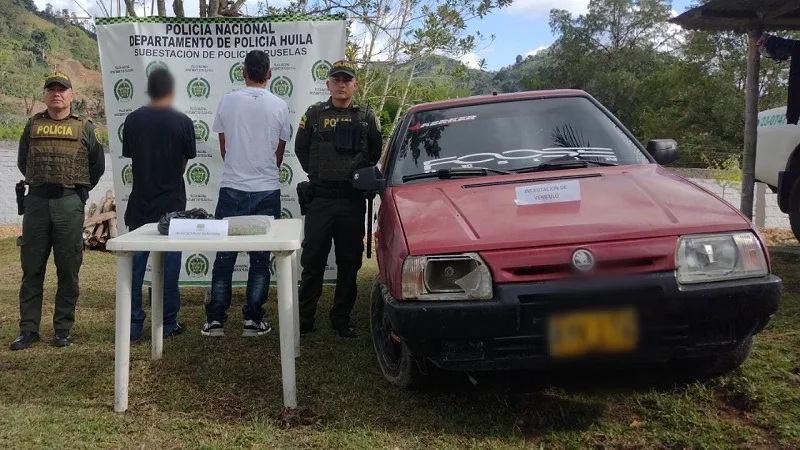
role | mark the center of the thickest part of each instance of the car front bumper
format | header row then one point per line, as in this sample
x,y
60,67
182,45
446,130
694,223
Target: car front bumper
x,y
510,331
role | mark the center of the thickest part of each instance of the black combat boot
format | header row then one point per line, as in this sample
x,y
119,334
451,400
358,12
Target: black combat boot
x,y
345,331
24,340
62,338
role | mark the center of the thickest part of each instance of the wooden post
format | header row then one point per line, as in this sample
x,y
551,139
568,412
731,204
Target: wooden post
x,y
750,124
761,205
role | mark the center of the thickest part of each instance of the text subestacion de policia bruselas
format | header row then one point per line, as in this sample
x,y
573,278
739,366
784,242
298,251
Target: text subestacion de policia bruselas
x,y
222,40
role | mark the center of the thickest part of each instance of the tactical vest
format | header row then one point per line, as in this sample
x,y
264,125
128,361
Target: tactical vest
x,y
338,143
56,154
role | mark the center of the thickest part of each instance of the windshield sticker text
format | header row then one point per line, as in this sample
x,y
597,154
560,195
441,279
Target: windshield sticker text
x,y
438,123
528,155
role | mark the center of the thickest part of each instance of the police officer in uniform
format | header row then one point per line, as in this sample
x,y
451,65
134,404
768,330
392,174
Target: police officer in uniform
x,y
62,159
334,138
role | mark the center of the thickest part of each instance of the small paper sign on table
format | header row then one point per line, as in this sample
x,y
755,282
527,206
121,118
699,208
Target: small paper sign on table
x,y
198,229
538,194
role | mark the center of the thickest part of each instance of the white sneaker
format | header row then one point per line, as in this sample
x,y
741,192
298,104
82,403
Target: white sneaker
x,y
212,329
250,328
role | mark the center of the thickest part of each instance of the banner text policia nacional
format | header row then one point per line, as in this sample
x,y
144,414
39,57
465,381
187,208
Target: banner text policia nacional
x,y
206,57
228,40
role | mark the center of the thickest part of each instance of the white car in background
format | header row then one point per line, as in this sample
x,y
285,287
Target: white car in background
x,y
778,161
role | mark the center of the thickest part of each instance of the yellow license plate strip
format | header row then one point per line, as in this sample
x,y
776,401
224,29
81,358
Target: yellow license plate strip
x,y
592,332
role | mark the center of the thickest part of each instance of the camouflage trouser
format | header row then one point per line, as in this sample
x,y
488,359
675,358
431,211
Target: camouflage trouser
x,y
56,223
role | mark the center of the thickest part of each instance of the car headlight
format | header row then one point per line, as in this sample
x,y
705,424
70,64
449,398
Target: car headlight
x,y
718,257
450,277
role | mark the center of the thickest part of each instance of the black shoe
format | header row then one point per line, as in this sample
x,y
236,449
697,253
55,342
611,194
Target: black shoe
x,y
306,328
345,331
252,329
177,331
213,328
62,338
24,340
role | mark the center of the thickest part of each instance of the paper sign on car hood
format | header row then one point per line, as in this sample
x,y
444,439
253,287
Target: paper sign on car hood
x,y
542,193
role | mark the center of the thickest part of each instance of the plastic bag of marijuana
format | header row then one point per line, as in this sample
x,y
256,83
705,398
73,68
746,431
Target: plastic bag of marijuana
x,y
248,225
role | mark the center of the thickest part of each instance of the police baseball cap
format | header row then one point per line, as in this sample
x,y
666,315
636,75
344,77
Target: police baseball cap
x,y
57,78
343,67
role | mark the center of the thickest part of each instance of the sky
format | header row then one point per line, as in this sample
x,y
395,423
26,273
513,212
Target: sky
x,y
528,18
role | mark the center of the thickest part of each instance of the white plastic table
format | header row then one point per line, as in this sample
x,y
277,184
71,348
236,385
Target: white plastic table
x,y
283,239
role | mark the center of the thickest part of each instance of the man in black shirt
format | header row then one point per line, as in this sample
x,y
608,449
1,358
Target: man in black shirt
x,y
159,140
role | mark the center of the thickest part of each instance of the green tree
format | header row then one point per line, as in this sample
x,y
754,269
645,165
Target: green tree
x,y
623,37
41,44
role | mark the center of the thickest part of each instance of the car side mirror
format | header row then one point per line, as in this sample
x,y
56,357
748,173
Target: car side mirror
x,y
664,151
368,179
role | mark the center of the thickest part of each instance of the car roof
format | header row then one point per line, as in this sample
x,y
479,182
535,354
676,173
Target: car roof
x,y
482,99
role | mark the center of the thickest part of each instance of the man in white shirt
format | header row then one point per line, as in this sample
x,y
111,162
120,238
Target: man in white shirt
x,y
253,127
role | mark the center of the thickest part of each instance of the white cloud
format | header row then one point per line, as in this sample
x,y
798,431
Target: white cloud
x,y
381,48
535,51
676,37
470,60
541,8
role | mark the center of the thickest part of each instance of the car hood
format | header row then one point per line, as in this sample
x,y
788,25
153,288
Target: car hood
x,y
616,203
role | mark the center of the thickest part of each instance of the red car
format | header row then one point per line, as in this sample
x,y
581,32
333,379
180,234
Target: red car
x,y
531,229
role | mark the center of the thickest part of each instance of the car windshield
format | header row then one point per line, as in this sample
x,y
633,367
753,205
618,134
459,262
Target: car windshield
x,y
512,136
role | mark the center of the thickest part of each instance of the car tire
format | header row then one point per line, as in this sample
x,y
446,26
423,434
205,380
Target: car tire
x,y
399,365
794,209
724,363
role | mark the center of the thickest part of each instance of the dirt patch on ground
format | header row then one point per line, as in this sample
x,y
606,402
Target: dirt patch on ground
x,y
778,237
10,231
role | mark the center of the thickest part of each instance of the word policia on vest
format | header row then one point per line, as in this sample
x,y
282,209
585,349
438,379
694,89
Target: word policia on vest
x,y
56,130
331,122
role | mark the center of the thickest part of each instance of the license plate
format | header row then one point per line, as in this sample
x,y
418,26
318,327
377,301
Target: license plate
x,y
588,332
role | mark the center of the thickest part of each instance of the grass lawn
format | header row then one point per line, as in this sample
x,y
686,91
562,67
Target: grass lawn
x,y
226,393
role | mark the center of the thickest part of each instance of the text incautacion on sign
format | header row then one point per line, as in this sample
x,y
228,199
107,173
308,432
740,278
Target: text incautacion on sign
x,y
206,58
538,194
210,230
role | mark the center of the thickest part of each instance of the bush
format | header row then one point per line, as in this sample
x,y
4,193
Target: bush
x,y
11,132
727,172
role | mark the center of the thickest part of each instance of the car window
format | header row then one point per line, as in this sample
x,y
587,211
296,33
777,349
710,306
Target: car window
x,y
511,135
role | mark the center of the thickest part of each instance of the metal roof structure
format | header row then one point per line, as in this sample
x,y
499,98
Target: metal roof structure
x,y
742,16
751,17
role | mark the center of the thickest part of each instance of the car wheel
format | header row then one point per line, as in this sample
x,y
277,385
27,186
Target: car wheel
x,y
724,363
399,366
794,209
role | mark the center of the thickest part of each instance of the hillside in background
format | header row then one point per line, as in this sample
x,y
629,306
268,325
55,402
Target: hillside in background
x,y
475,81
34,43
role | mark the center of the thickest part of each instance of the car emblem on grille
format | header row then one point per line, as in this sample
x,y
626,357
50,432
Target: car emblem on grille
x,y
583,260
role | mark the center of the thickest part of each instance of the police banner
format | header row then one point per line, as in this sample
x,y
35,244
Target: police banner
x,y
206,56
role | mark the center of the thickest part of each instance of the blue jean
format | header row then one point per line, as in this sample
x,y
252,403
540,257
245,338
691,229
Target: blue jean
x,y
172,296
231,203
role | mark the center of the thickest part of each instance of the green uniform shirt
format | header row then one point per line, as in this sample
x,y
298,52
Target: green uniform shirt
x,y
97,163
302,143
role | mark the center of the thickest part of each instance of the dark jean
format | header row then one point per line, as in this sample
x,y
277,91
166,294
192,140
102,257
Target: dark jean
x,y
231,203
172,295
